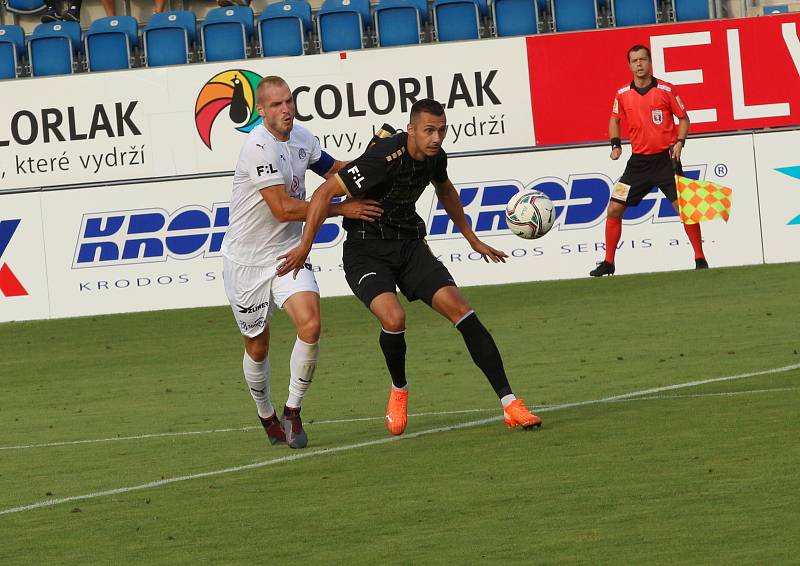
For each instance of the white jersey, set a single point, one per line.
(255, 237)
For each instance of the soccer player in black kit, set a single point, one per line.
(391, 253)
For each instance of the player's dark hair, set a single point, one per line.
(426, 105)
(639, 47)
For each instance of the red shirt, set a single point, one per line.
(649, 116)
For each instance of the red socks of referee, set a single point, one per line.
(693, 231)
(614, 233)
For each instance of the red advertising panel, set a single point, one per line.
(730, 74)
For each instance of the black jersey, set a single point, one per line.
(387, 174)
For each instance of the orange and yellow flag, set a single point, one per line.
(699, 201)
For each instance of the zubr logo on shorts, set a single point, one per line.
(793, 172)
(581, 202)
(10, 286)
(150, 235)
(233, 89)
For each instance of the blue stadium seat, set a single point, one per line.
(634, 12)
(12, 50)
(292, 8)
(226, 32)
(168, 38)
(515, 17)
(691, 10)
(573, 15)
(283, 28)
(53, 48)
(26, 6)
(110, 42)
(341, 24)
(360, 6)
(397, 22)
(422, 6)
(456, 19)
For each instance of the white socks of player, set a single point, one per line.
(257, 375)
(302, 365)
(507, 400)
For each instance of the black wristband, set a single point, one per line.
(683, 141)
(616, 142)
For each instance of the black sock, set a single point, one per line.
(394, 350)
(484, 353)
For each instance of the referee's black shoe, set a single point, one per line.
(700, 263)
(603, 268)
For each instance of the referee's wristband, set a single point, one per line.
(682, 141)
(616, 142)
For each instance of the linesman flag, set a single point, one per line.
(699, 201)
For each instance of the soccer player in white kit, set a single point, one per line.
(266, 213)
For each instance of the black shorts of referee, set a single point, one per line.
(645, 171)
(372, 267)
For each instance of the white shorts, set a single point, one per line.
(254, 292)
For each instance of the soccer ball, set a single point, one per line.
(530, 214)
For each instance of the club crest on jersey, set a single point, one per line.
(302, 153)
(658, 117)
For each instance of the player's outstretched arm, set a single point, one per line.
(448, 196)
(287, 209)
(317, 212)
(283, 207)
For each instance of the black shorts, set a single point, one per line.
(642, 173)
(372, 267)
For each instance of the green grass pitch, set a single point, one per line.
(706, 474)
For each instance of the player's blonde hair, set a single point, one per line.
(266, 82)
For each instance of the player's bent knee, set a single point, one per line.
(256, 349)
(309, 331)
(394, 320)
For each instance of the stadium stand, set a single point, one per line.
(574, 15)
(398, 22)
(110, 43)
(12, 51)
(225, 34)
(456, 20)
(283, 28)
(54, 48)
(169, 38)
(690, 10)
(25, 6)
(341, 24)
(635, 12)
(515, 17)
(297, 27)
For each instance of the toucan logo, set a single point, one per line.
(233, 89)
(9, 284)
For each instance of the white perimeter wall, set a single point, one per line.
(54, 251)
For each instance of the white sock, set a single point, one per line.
(257, 375)
(508, 399)
(302, 365)
(404, 388)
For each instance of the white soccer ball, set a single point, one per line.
(530, 214)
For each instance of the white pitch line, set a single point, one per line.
(364, 419)
(698, 395)
(377, 442)
(218, 430)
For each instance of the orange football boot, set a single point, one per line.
(397, 412)
(517, 414)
